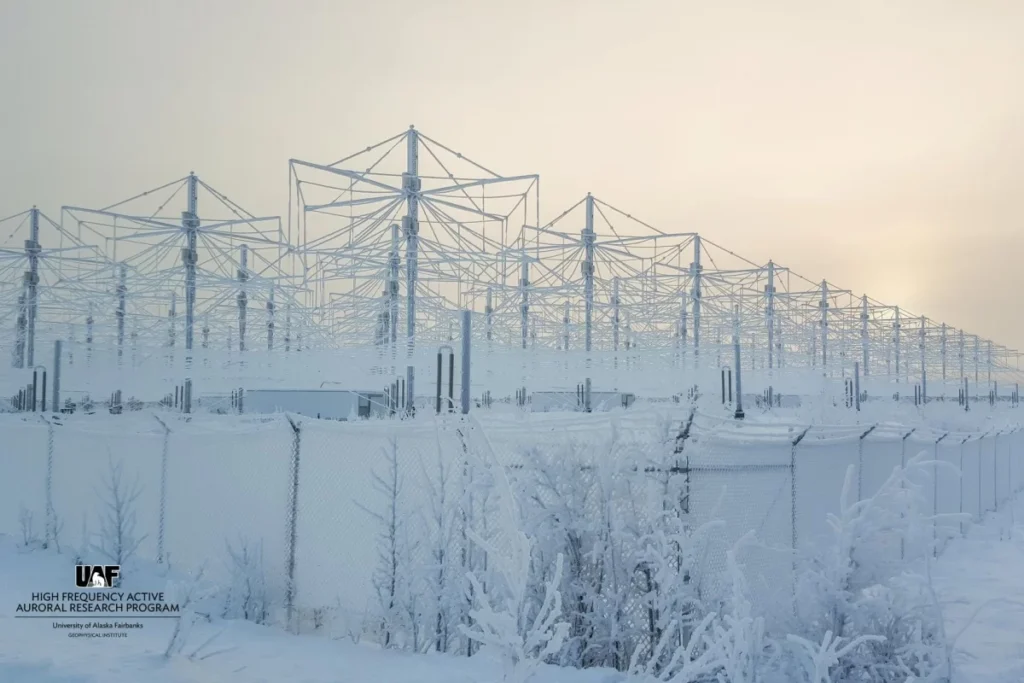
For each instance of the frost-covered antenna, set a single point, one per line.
(524, 294)
(44, 281)
(924, 365)
(182, 236)
(32, 250)
(824, 326)
(696, 275)
(122, 293)
(865, 338)
(189, 256)
(456, 217)
(243, 296)
(942, 351)
(172, 313)
(769, 290)
(896, 334)
(588, 272)
(270, 321)
(394, 262)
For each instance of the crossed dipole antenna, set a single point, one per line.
(409, 223)
(411, 215)
(214, 253)
(46, 275)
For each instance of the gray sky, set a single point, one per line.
(877, 144)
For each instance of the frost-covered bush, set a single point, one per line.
(247, 596)
(852, 591)
(588, 555)
(118, 538)
(399, 617)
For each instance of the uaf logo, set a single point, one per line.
(96, 576)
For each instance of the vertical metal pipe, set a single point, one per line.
(924, 368)
(439, 382)
(961, 354)
(122, 290)
(32, 250)
(856, 385)
(896, 342)
(411, 227)
(466, 347)
(524, 296)
(683, 296)
(695, 271)
(243, 296)
(56, 374)
(410, 405)
(88, 336)
(977, 362)
(489, 311)
(394, 262)
(190, 222)
(172, 313)
(588, 271)
(270, 321)
(864, 338)
(824, 326)
(451, 382)
(565, 327)
(770, 314)
(942, 349)
(739, 371)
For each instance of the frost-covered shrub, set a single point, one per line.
(849, 590)
(248, 595)
(587, 554)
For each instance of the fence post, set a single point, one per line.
(935, 499)
(903, 447)
(161, 556)
(1010, 466)
(981, 507)
(293, 513)
(964, 441)
(792, 507)
(860, 462)
(903, 464)
(51, 517)
(995, 472)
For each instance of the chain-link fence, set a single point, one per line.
(367, 528)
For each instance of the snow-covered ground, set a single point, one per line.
(33, 651)
(979, 580)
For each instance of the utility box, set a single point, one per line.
(327, 404)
